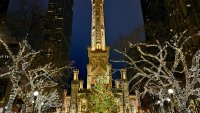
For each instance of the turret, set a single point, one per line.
(123, 74)
(74, 90)
(76, 73)
(81, 84)
(117, 84)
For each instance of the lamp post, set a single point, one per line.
(171, 91)
(159, 105)
(169, 100)
(35, 94)
(40, 107)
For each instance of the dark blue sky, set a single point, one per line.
(121, 18)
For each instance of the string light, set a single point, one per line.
(158, 72)
(37, 78)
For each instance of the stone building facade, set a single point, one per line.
(98, 54)
(78, 101)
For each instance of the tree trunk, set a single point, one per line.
(12, 97)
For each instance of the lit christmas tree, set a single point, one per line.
(102, 98)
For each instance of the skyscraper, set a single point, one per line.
(169, 17)
(164, 19)
(58, 31)
(3, 9)
(183, 15)
(156, 20)
(3, 13)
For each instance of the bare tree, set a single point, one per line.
(27, 78)
(155, 73)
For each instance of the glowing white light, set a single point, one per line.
(36, 93)
(188, 5)
(168, 99)
(170, 91)
(159, 102)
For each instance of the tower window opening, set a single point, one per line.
(98, 46)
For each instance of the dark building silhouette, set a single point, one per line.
(58, 31)
(164, 19)
(3, 14)
(3, 9)
(156, 20)
(183, 14)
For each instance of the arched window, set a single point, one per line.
(98, 46)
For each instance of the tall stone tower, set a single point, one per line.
(98, 53)
(98, 70)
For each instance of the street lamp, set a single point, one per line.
(42, 103)
(171, 91)
(168, 99)
(35, 94)
(160, 105)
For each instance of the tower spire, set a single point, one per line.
(98, 28)
(98, 53)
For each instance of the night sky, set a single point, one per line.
(121, 18)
